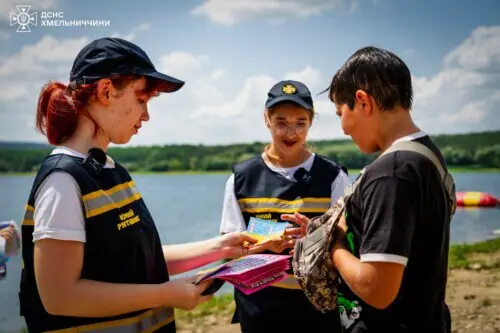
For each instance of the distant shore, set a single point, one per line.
(227, 172)
(351, 171)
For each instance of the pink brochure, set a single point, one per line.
(250, 273)
(263, 283)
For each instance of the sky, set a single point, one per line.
(230, 52)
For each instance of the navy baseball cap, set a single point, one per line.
(290, 91)
(109, 56)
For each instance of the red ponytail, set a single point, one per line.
(56, 116)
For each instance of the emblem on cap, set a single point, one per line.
(289, 89)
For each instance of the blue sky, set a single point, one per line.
(231, 51)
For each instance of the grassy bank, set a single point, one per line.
(206, 314)
(475, 256)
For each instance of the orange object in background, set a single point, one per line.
(480, 199)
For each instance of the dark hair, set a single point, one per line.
(60, 105)
(378, 72)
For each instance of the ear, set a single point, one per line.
(311, 118)
(104, 91)
(364, 102)
(266, 120)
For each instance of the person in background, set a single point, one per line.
(287, 177)
(393, 242)
(93, 258)
(9, 244)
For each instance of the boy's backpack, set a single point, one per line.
(312, 262)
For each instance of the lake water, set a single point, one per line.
(188, 208)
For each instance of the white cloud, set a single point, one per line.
(202, 113)
(310, 76)
(250, 97)
(472, 113)
(38, 57)
(214, 107)
(217, 74)
(205, 92)
(479, 52)
(10, 91)
(7, 6)
(241, 118)
(133, 34)
(461, 97)
(22, 74)
(253, 94)
(181, 63)
(230, 12)
(48, 59)
(195, 69)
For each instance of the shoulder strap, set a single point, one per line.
(446, 178)
(350, 188)
(421, 149)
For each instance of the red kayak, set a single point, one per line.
(478, 199)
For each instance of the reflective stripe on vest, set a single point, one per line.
(146, 322)
(275, 205)
(101, 201)
(289, 283)
(28, 216)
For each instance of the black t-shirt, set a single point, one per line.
(399, 214)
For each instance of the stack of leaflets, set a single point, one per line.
(264, 230)
(249, 274)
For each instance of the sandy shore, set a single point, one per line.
(473, 295)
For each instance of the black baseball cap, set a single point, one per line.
(110, 56)
(291, 91)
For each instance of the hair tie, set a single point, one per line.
(72, 86)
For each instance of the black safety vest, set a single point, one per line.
(265, 194)
(122, 246)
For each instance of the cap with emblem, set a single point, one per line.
(109, 56)
(290, 91)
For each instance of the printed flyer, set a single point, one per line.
(265, 231)
(250, 273)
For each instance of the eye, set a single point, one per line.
(142, 97)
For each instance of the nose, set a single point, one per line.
(145, 114)
(291, 132)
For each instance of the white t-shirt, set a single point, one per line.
(232, 218)
(59, 206)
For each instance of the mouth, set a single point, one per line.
(137, 127)
(289, 143)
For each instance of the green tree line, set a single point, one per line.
(480, 150)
